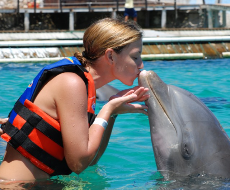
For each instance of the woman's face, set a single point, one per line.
(128, 63)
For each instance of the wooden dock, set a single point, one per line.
(157, 45)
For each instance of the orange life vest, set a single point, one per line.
(34, 133)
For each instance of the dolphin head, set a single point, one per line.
(186, 136)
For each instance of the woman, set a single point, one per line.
(52, 129)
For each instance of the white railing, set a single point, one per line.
(15, 4)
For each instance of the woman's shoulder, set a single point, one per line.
(68, 79)
(68, 84)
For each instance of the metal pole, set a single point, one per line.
(60, 5)
(34, 6)
(18, 6)
(175, 7)
(117, 4)
(146, 4)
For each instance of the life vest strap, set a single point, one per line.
(33, 120)
(28, 146)
(91, 118)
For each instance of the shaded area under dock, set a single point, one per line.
(151, 14)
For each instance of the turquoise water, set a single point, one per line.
(128, 162)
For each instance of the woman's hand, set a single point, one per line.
(121, 101)
(2, 121)
(141, 91)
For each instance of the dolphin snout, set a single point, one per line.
(143, 72)
(144, 77)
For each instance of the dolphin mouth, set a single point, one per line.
(147, 77)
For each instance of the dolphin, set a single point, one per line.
(105, 92)
(187, 138)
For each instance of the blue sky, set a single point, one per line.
(212, 1)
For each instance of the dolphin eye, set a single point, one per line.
(187, 147)
(186, 151)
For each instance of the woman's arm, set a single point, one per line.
(141, 96)
(104, 141)
(80, 142)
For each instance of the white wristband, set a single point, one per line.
(101, 122)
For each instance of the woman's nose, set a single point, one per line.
(141, 66)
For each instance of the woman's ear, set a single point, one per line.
(109, 53)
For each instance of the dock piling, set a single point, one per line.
(26, 21)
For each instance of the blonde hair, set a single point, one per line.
(107, 33)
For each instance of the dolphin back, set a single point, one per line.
(105, 92)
